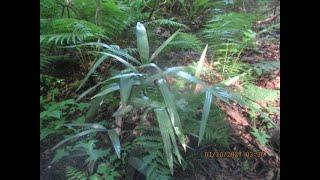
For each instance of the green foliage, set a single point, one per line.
(103, 172)
(216, 130)
(245, 166)
(261, 136)
(229, 31)
(191, 10)
(61, 32)
(172, 109)
(168, 137)
(50, 8)
(55, 115)
(48, 85)
(256, 93)
(133, 82)
(92, 128)
(74, 174)
(150, 158)
(266, 67)
(163, 45)
(231, 68)
(106, 14)
(142, 43)
(186, 41)
(68, 31)
(93, 156)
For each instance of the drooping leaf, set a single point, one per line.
(88, 125)
(122, 110)
(77, 136)
(94, 108)
(115, 51)
(165, 125)
(125, 89)
(147, 103)
(59, 155)
(130, 74)
(232, 80)
(119, 59)
(92, 70)
(115, 141)
(111, 88)
(205, 115)
(174, 116)
(55, 114)
(88, 91)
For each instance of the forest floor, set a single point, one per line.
(241, 140)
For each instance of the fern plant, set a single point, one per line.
(68, 31)
(148, 156)
(231, 29)
(74, 174)
(186, 41)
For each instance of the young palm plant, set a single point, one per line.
(138, 83)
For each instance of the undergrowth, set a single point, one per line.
(133, 116)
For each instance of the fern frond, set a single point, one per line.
(68, 31)
(75, 174)
(107, 14)
(186, 41)
(227, 28)
(151, 159)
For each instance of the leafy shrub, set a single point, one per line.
(138, 88)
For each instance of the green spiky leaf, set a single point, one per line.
(165, 125)
(205, 115)
(174, 116)
(200, 63)
(111, 88)
(115, 141)
(142, 42)
(157, 52)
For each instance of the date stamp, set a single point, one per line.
(234, 154)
